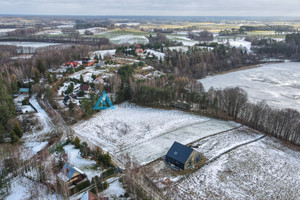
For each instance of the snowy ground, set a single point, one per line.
(265, 169)
(157, 147)
(145, 131)
(88, 72)
(277, 84)
(130, 39)
(24, 189)
(178, 48)
(50, 32)
(156, 53)
(245, 45)
(182, 38)
(115, 189)
(85, 165)
(103, 53)
(34, 141)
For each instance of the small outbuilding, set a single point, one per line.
(182, 156)
(24, 90)
(89, 196)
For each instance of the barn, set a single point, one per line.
(182, 156)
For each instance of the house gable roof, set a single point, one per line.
(69, 171)
(84, 87)
(179, 152)
(66, 99)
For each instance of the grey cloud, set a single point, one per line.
(153, 7)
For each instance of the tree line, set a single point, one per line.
(198, 63)
(286, 49)
(228, 104)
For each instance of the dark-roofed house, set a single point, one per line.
(71, 174)
(66, 99)
(182, 156)
(85, 87)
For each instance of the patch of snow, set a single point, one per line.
(115, 189)
(83, 164)
(156, 53)
(130, 39)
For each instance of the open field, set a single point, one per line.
(277, 84)
(119, 36)
(265, 169)
(145, 133)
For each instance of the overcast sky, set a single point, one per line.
(153, 7)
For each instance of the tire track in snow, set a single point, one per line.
(157, 136)
(233, 148)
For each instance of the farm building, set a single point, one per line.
(71, 174)
(182, 156)
(24, 90)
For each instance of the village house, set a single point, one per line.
(182, 156)
(71, 175)
(72, 64)
(85, 87)
(139, 51)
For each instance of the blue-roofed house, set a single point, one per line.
(182, 156)
(71, 174)
(24, 90)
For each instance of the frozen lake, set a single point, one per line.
(29, 44)
(278, 84)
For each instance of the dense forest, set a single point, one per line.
(286, 49)
(198, 63)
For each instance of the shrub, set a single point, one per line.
(77, 142)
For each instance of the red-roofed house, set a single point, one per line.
(139, 51)
(72, 64)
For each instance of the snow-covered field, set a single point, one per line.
(157, 147)
(265, 169)
(145, 131)
(5, 30)
(185, 40)
(50, 32)
(277, 84)
(130, 39)
(245, 45)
